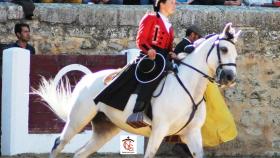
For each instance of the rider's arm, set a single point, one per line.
(144, 31)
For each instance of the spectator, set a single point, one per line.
(216, 2)
(116, 1)
(101, 1)
(47, 1)
(27, 6)
(61, 1)
(257, 2)
(127, 2)
(146, 2)
(87, 1)
(110, 1)
(131, 2)
(72, 1)
(22, 32)
(182, 1)
(192, 34)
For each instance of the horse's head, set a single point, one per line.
(221, 58)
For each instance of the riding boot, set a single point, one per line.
(145, 91)
(139, 119)
(139, 106)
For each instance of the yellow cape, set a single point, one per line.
(219, 125)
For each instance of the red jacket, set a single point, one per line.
(152, 31)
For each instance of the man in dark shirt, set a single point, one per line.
(192, 34)
(217, 2)
(22, 32)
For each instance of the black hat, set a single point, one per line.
(195, 29)
(148, 70)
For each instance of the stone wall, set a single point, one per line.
(107, 29)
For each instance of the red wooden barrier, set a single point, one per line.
(42, 119)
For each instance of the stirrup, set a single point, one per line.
(138, 120)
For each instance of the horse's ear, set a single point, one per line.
(236, 35)
(228, 32)
(227, 27)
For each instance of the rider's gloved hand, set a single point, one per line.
(152, 54)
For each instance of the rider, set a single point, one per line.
(155, 35)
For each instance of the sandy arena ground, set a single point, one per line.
(111, 156)
(70, 156)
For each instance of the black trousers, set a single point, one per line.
(145, 91)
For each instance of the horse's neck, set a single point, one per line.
(193, 80)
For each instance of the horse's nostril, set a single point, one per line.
(229, 77)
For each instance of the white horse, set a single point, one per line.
(215, 57)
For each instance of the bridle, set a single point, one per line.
(211, 79)
(220, 64)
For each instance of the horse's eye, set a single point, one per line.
(224, 50)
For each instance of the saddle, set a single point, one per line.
(107, 79)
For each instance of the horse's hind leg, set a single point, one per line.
(103, 131)
(61, 141)
(194, 141)
(80, 115)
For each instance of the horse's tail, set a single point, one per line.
(57, 96)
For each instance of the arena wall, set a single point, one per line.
(108, 29)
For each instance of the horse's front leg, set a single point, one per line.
(193, 139)
(156, 137)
